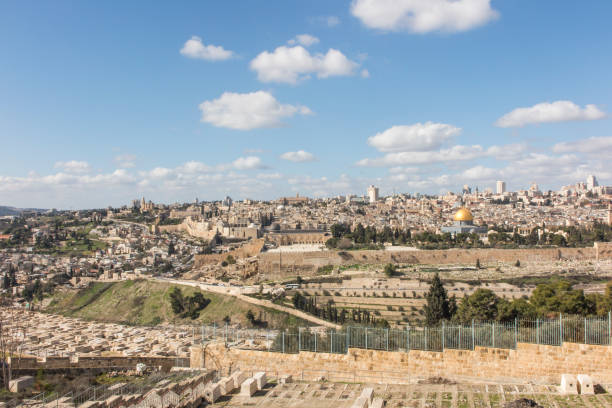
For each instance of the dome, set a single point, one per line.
(463, 214)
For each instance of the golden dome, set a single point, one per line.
(463, 214)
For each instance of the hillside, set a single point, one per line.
(143, 302)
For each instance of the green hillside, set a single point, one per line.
(143, 302)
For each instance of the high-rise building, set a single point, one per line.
(501, 187)
(373, 194)
(591, 182)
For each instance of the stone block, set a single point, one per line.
(227, 385)
(585, 384)
(377, 403)
(569, 384)
(248, 388)
(260, 379)
(239, 377)
(21, 384)
(361, 402)
(212, 393)
(285, 379)
(368, 393)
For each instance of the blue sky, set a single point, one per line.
(98, 104)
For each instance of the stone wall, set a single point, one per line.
(308, 262)
(95, 362)
(529, 362)
(248, 250)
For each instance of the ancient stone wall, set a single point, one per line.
(529, 362)
(308, 262)
(248, 250)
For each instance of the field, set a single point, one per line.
(142, 302)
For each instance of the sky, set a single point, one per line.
(104, 102)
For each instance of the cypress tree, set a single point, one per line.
(437, 307)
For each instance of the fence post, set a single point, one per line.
(315, 342)
(473, 337)
(331, 342)
(426, 331)
(515, 333)
(442, 336)
(226, 332)
(366, 338)
(283, 341)
(387, 331)
(348, 338)
(560, 329)
(585, 329)
(268, 339)
(537, 331)
(299, 339)
(408, 339)
(609, 328)
(493, 328)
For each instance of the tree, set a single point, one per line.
(171, 249)
(517, 263)
(559, 297)
(480, 305)
(250, 316)
(477, 263)
(437, 308)
(176, 300)
(390, 270)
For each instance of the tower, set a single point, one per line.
(591, 182)
(373, 194)
(500, 187)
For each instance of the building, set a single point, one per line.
(591, 182)
(373, 194)
(501, 187)
(463, 223)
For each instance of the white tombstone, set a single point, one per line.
(260, 379)
(361, 402)
(285, 379)
(212, 393)
(585, 384)
(21, 383)
(377, 403)
(227, 385)
(239, 377)
(569, 384)
(248, 388)
(368, 393)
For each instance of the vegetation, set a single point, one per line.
(187, 306)
(142, 302)
(331, 313)
(438, 307)
(547, 300)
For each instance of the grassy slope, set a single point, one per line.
(144, 302)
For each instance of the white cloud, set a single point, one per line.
(480, 173)
(194, 48)
(73, 166)
(455, 153)
(293, 64)
(423, 16)
(547, 112)
(413, 138)
(365, 73)
(248, 163)
(332, 21)
(248, 111)
(593, 146)
(304, 39)
(298, 157)
(125, 161)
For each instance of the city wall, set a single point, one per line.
(529, 362)
(308, 262)
(248, 250)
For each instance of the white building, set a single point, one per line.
(591, 182)
(501, 187)
(373, 194)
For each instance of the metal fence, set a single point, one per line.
(506, 335)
